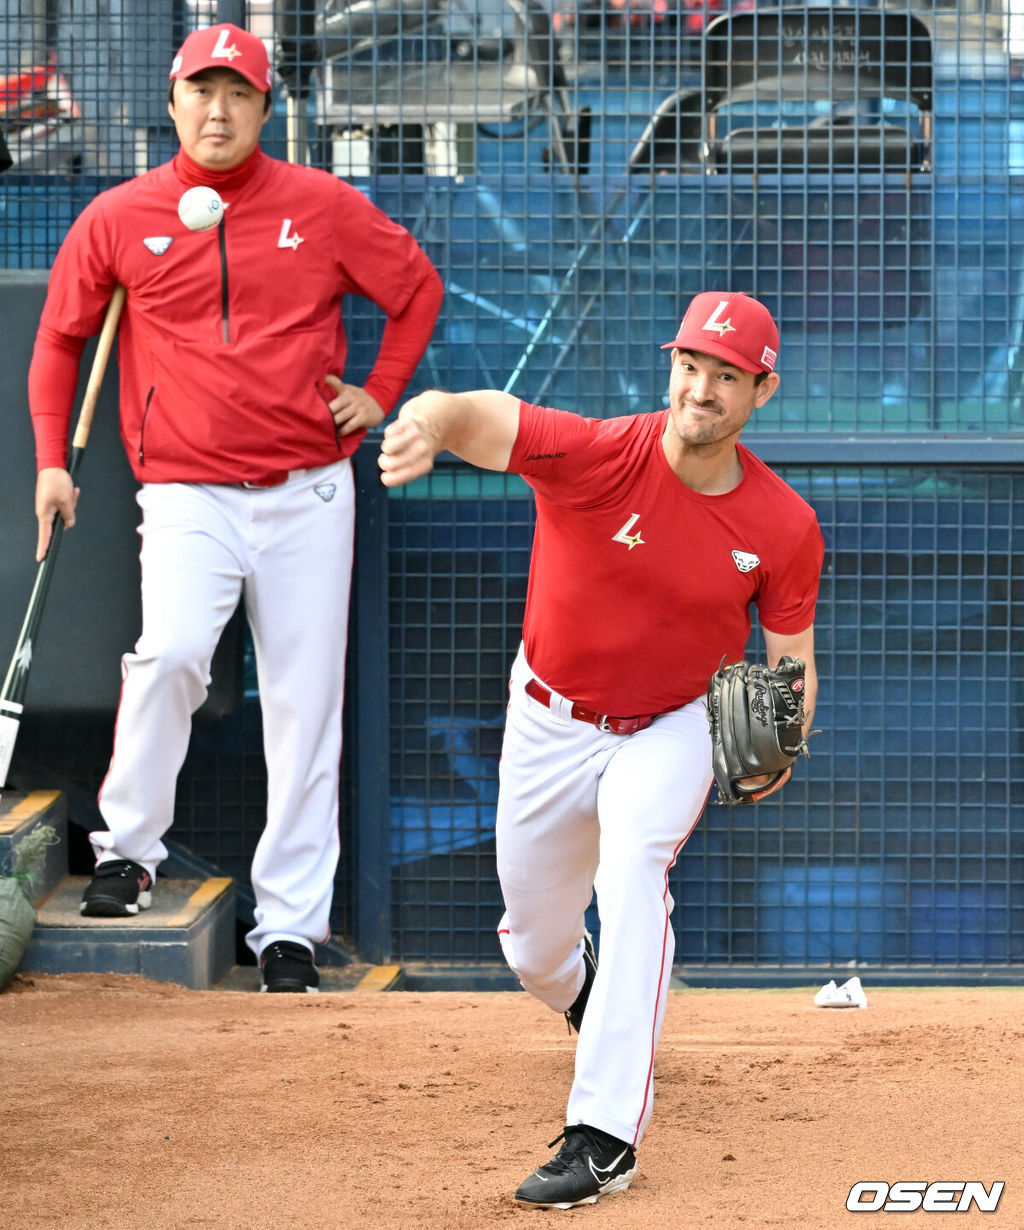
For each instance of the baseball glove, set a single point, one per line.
(756, 716)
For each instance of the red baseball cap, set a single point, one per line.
(732, 327)
(224, 46)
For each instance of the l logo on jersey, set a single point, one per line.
(631, 540)
(284, 240)
(744, 561)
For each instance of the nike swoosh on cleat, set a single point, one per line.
(596, 1171)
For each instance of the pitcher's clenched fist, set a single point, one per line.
(480, 427)
(406, 452)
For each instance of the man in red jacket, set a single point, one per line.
(240, 429)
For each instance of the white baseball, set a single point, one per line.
(201, 209)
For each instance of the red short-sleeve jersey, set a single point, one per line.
(639, 586)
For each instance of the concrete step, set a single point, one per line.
(356, 976)
(20, 813)
(186, 937)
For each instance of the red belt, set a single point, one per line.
(610, 725)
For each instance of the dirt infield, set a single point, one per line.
(130, 1104)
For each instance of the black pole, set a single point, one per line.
(232, 11)
(298, 47)
(370, 730)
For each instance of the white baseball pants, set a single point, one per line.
(288, 551)
(580, 810)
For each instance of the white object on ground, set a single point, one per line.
(849, 995)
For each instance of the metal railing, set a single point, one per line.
(556, 162)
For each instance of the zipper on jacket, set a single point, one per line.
(142, 427)
(225, 320)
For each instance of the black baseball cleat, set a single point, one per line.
(117, 889)
(288, 967)
(574, 1015)
(589, 1164)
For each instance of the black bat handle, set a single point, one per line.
(17, 674)
(16, 683)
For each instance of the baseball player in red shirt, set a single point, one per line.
(654, 535)
(239, 427)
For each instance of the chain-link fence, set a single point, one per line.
(576, 172)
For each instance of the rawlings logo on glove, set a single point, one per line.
(756, 716)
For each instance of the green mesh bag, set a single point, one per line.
(17, 909)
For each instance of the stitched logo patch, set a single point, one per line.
(624, 536)
(286, 239)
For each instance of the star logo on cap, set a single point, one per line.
(714, 325)
(223, 49)
(721, 327)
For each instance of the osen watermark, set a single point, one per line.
(908, 1196)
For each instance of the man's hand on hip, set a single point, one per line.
(352, 408)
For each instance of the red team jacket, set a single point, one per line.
(227, 334)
